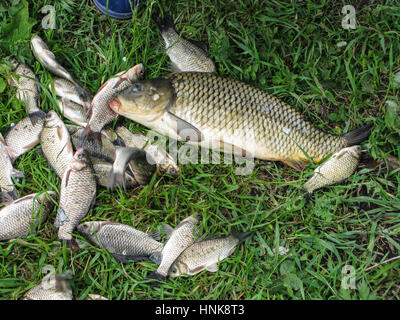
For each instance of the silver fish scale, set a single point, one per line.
(24, 136)
(181, 238)
(75, 199)
(56, 290)
(6, 183)
(17, 218)
(126, 240)
(205, 253)
(239, 113)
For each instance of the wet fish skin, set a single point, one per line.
(337, 168)
(102, 171)
(7, 172)
(222, 113)
(163, 160)
(47, 58)
(27, 84)
(107, 151)
(24, 135)
(138, 164)
(68, 91)
(73, 111)
(184, 54)
(77, 196)
(58, 288)
(56, 143)
(19, 216)
(124, 242)
(181, 237)
(205, 255)
(100, 113)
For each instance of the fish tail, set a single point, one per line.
(115, 178)
(37, 116)
(8, 197)
(357, 136)
(90, 138)
(70, 243)
(164, 23)
(241, 236)
(156, 276)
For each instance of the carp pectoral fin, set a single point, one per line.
(197, 269)
(156, 257)
(185, 130)
(212, 268)
(155, 235)
(297, 165)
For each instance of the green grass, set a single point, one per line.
(286, 48)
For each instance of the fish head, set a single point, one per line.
(172, 170)
(177, 268)
(52, 119)
(144, 99)
(80, 160)
(89, 229)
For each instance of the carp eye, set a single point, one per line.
(173, 270)
(136, 87)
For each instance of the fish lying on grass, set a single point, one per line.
(24, 135)
(67, 90)
(222, 113)
(205, 254)
(100, 113)
(56, 143)
(139, 165)
(7, 172)
(102, 171)
(73, 111)
(337, 168)
(28, 88)
(179, 238)
(107, 151)
(48, 60)
(185, 55)
(124, 242)
(157, 152)
(77, 196)
(56, 287)
(20, 217)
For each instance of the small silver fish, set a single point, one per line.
(100, 112)
(23, 215)
(7, 172)
(68, 91)
(55, 287)
(73, 111)
(157, 152)
(48, 60)
(24, 135)
(124, 242)
(56, 143)
(77, 196)
(28, 88)
(337, 168)
(102, 171)
(185, 55)
(205, 255)
(180, 238)
(138, 163)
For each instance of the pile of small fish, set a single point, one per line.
(191, 104)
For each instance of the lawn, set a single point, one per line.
(287, 48)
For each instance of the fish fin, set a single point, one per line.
(70, 243)
(185, 130)
(16, 173)
(156, 235)
(40, 152)
(156, 276)
(90, 138)
(200, 44)
(357, 136)
(212, 268)
(199, 269)
(297, 165)
(167, 230)
(164, 23)
(175, 68)
(156, 257)
(123, 258)
(241, 236)
(37, 116)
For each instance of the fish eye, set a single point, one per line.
(136, 87)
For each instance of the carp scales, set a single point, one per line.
(226, 114)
